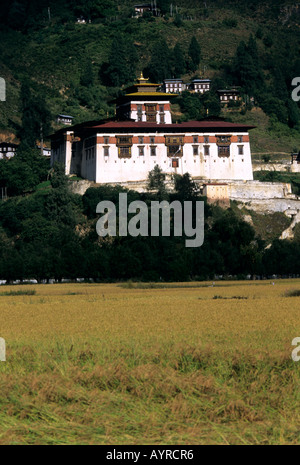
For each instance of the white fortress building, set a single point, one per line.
(142, 135)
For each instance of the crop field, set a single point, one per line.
(134, 363)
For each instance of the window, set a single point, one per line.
(152, 140)
(106, 140)
(161, 108)
(106, 151)
(175, 163)
(153, 150)
(151, 117)
(124, 140)
(162, 118)
(141, 139)
(124, 152)
(139, 109)
(206, 149)
(241, 149)
(178, 140)
(195, 139)
(240, 139)
(195, 149)
(124, 144)
(174, 145)
(224, 150)
(206, 139)
(150, 112)
(223, 140)
(174, 150)
(141, 150)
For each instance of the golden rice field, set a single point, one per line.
(183, 364)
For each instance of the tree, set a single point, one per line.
(246, 71)
(24, 171)
(179, 61)
(178, 21)
(293, 113)
(122, 63)
(36, 118)
(156, 181)
(185, 188)
(160, 66)
(194, 53)
(164, 6)
(87, 76)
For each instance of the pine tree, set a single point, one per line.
(179, 61)
(194, 54)
(122, 62)
(35, 117)
(160, 66)
(246, 70)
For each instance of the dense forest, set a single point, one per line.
(54, 64)
(51, 234)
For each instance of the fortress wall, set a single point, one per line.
(257, 190)
(272, 206)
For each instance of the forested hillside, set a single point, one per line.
(53, 64)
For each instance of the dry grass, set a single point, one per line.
(100, 364)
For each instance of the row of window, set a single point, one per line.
(125, 151)
(151, 118)
(150, 108)
(128, 139)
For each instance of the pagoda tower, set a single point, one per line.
(143, 102)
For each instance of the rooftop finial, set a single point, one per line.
(141, 78)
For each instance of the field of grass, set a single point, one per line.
(193, 364)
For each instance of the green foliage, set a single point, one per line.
(24, 171)
(164, 6)
(230, 22)
(156, 181)
(122, 63)
(178, 21)
(198, 106)
(36, 118)
(161, 62)
(185, 188)
(246, 70)
(62, 226)
(179, 61)
(194, 53)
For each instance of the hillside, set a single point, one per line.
(72, 68)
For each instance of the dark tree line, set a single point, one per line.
(52, 234)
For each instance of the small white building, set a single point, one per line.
(227, 95)
(7, 149)
(295, 162)
(200, 85)
(174, 86)
(64, 119)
